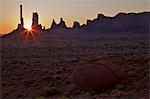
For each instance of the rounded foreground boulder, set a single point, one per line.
(97, 76)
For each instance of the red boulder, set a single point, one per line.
(96, 77)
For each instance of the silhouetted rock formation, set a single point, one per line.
(122, 22)
(36, 27)
(76, 25)
(35, 22)
(44, 28)
(21, 16)
(61, 25)
(54, 25)
(88, 22)
(21, 25)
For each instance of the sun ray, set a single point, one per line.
(27, 36)
(32, 34)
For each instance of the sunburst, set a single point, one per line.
(28, 27)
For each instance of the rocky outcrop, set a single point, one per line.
(54, 25)
(61, 25)
(35, 22)
(122, 22)
(76, 25)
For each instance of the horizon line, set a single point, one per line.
(108, 16)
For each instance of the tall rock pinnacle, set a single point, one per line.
(21, 16)
(21, 24)
(35, 22)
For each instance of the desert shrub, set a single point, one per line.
(52, 91)
(119, 86)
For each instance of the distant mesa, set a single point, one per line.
(122, 22)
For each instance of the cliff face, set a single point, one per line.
(122, 22)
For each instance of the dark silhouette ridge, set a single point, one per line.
(122, 22)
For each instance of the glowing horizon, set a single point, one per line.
(69, 10)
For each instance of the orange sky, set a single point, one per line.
(70, 10)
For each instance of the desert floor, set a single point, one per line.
(42, 68)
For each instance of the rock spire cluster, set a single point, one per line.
(61, 24)
(35, 21)
(122, 22)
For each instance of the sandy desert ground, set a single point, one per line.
(42, 68)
